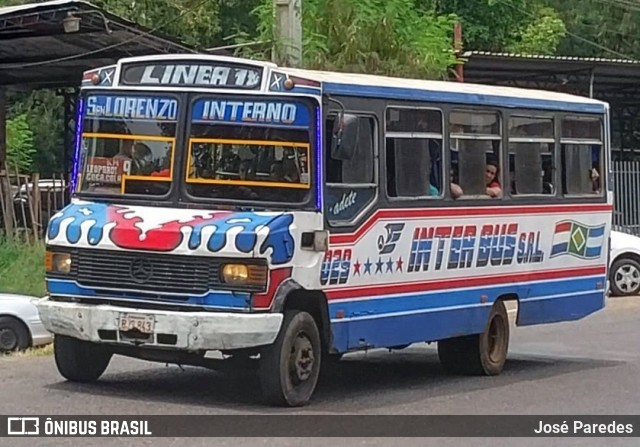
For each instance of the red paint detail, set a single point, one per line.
(356, 267)
(303, 81)
(399, 263)
(454, 283)
(168, 236)
(276, 277)
(562, 227)
(418, 213)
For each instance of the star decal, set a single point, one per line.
(399, 263)
(390, 265)
(379, 265)
(367, 267)
(356, 267)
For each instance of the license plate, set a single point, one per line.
(136, 322)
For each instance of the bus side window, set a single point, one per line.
(582, 157)
(351, 184)
(475, 153)
(414, 152)
(531, 143)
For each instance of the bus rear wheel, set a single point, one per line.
(79, 360)
(479, 354)
(289, 368)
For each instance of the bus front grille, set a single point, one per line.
(150, 272)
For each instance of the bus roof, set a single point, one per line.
(445, 91)
(375, 86)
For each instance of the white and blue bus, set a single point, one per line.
(287, 217)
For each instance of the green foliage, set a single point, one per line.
(22, 268)
(45, 116)
(541, 36)
(195, 22)
(600, 28)
(20, 148)
(390, 37)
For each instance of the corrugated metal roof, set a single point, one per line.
(37, 50)
(603, 60)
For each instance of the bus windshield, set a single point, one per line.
(128, 144)
(249, 150)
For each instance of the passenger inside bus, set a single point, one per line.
(456, 190)
(276, 172)
(491, 178)
(595, 177)
(126, 150)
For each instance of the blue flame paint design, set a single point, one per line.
(279, 238)
(94, 212)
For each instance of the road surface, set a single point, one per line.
(586, 367)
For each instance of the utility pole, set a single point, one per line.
(288, 22)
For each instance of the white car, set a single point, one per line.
(20, 324)
(624, 270)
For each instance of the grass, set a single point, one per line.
(40, 351)
(22, 267)
(22, 271)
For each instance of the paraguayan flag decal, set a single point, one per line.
(576, 239)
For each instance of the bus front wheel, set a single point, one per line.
(289, 368)
(479, 354)
(79, 360)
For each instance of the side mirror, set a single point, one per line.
(345, 137)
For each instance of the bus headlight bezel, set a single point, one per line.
(58, 262)
(239, 274)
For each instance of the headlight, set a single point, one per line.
(244, 275)
(57, 262)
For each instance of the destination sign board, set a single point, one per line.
(284, 113)
(193, 74)
(132, 107)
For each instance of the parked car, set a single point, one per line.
(53, 197)
(624, 271)
(20, 324)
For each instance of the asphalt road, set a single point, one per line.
(586, 367)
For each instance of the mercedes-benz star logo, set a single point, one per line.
(140, 270)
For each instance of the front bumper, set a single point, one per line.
(189, 331)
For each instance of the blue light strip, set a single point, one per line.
(319, 164)
(78, 144)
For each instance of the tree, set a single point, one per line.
(390, 37)
(45, 116)
(541, 36)
(195, 22)
(600, 28)
(523, 26)
(20, 148)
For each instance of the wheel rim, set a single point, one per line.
(301, 359)
(8, 340)
(627, 278)
(496, 339)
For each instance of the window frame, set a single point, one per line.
(502, 114)
(375, 184)
(561, 141)
(444, 193)
(174, 181)
(555, 156)
(309, 204)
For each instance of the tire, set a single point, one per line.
(14, 335)
(625, 277)
(79, 360)
(289, 368)
(479, 354)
